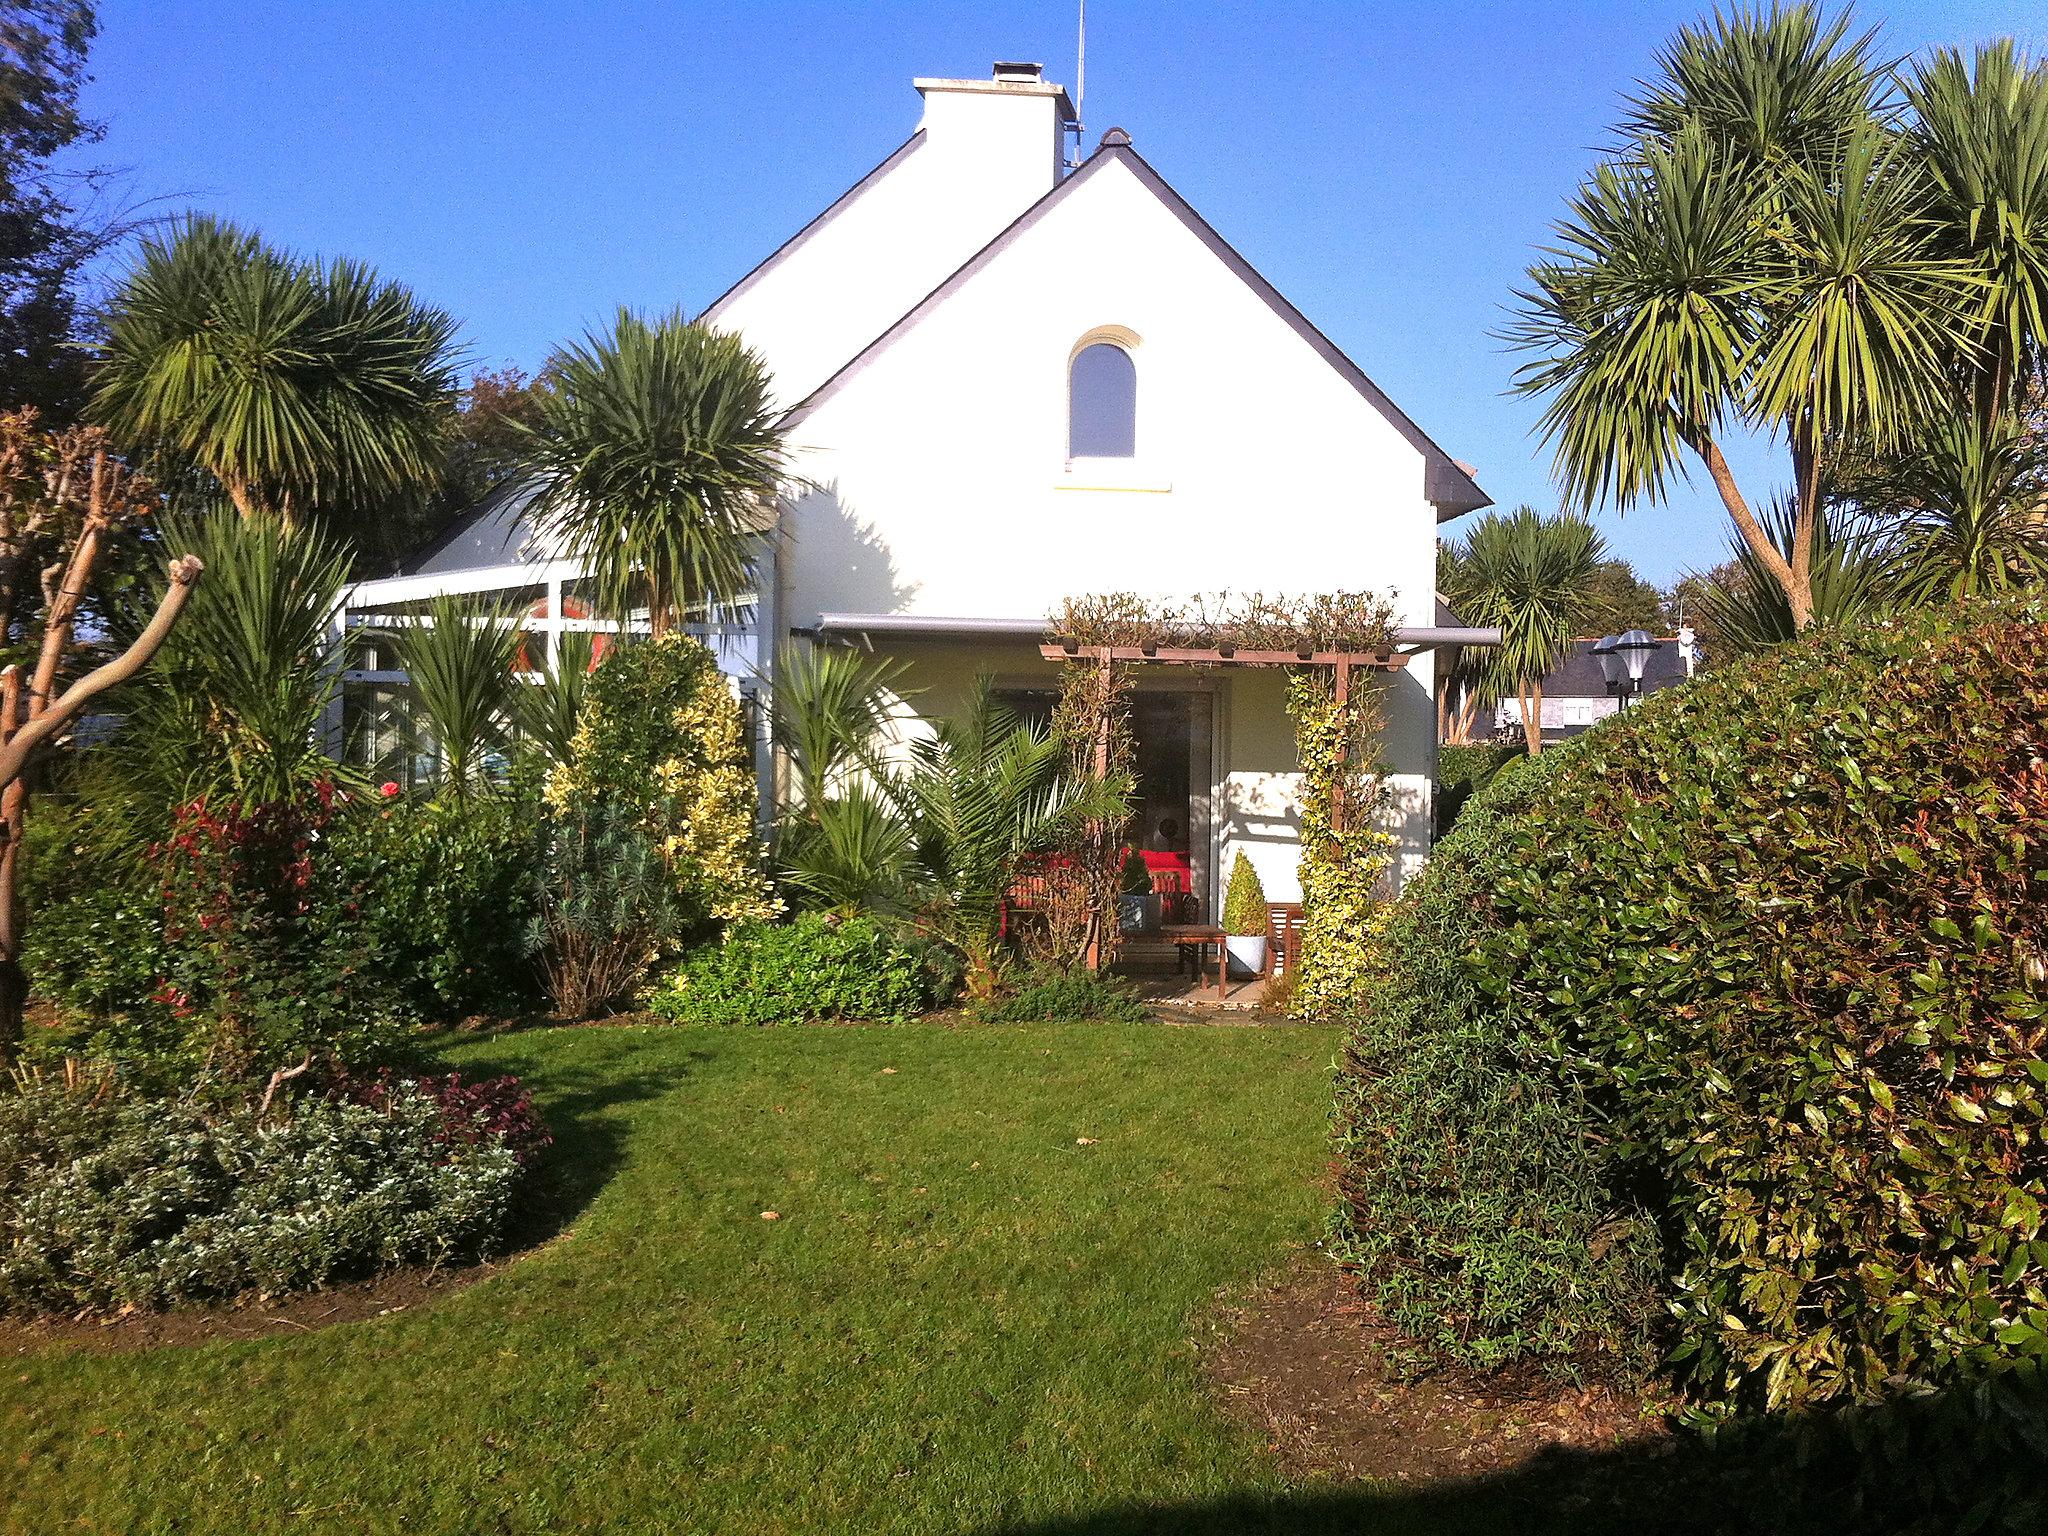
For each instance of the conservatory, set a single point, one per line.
(512, 572)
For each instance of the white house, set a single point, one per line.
(1010, 382)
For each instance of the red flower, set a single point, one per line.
(387, 789)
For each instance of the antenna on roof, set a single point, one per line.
(1080, 80)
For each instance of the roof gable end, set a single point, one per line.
(1446, 482)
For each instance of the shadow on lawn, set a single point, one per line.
(582, 1105)
(1974, 1460)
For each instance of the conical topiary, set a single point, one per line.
(1244, 904)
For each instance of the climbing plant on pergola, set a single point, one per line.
(1334, 645)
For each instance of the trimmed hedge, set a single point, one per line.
(1781, 934)
(816, 967)
(1461, 772)
(1474, 1200)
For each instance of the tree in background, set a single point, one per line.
(1758, 257)
(483, 452)
(51, 226)
(309, 391)
(1532, 578)
(658, 456)
(1617, 599)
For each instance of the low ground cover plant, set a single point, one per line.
(1768, 950)
(1054, 996)
(816, 967)
(108, 1200)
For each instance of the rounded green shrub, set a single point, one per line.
(1474, 1200)
(1786, 926)
(816, 967)
(1776, 941)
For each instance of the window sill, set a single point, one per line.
(1112, 475)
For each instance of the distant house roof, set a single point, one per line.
(1580, 677)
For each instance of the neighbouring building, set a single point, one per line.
(1011, 381)
(1576, 695)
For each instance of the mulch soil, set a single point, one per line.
(1308, 1364)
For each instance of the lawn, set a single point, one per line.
(979, 1308)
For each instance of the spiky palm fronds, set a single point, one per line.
(303, 388)
(658, 455)
(233, 709)
(853, 850)
(1970, 509)
(832, 708)
(1855, 567)
(981, 792)
(550, 709)
(1981, 129)
(459, 664)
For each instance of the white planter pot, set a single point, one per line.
(1247, 956)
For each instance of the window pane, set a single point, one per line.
(1102, 404)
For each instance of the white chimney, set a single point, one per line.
(995, 145)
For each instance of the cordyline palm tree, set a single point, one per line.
(460, 665)
(233, 709)
(1981, 130)
(658, 454)
(1531, 577)
(1463, 679)
(1761, 257)
(304, 388)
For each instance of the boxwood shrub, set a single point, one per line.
(815, 968)
(111, 1202)
(1777, 938)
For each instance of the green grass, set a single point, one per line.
(965, 1319)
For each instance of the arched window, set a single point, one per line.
(1102, 403)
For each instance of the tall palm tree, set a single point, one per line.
(1531, 577)
(658, 454)
(304, 388)
(1759, 256)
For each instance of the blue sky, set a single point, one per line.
(531, 166)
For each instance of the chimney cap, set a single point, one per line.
(1011, 70)
(1116, 138)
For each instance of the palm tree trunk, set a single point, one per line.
(1797, 592)
(1532, 714)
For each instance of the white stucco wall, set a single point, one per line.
(984, 152)
(941, 484)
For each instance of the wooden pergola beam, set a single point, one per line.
(1161, 655)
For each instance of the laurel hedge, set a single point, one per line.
(1777, 939)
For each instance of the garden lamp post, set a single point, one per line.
(1622, 659)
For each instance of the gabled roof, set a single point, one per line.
(788, 247)
(1446, 483)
